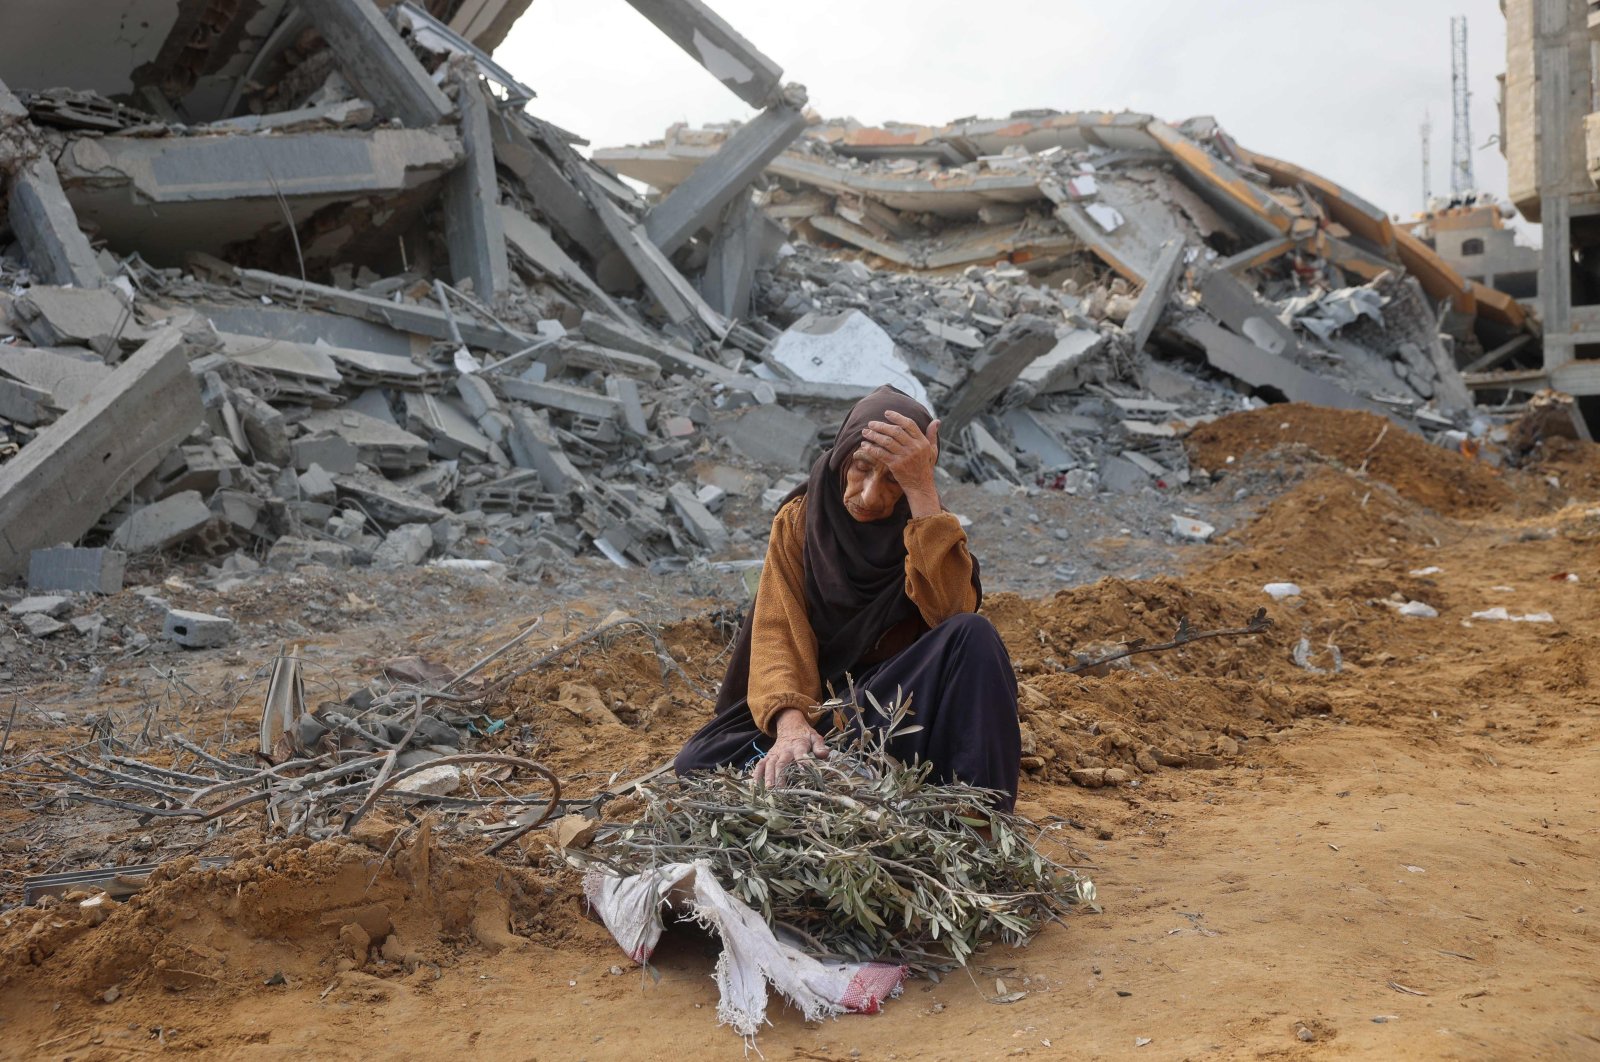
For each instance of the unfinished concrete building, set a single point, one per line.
(1550, 118)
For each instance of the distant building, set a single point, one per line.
(1550, 135)
(1474, 239)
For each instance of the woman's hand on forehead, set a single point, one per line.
(907, 453)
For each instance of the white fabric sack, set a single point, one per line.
(751, 954)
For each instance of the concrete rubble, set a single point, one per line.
(332, 294)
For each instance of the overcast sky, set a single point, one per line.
(1340, 89)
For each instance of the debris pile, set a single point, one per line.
(332, 294)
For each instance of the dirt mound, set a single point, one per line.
(615, 706)
(1329, 523)
(300, 912)
(1441, 480)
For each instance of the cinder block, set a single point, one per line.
(197, 630)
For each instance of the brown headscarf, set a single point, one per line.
(854, 571)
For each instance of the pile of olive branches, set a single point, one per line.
(858, 856)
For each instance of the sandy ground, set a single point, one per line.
(1398, 860)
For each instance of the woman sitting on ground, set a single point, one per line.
(868, 586)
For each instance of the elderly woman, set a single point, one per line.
(868, 586)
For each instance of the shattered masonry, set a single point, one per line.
(314, 281)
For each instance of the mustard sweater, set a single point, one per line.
(783, 647)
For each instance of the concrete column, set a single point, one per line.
(696, 202)
(1554, 107)
(474, 232)
(372, 54)
(42, 217)
(715, 45)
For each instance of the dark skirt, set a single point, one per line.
(963, 695)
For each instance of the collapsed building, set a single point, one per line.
(312, 283)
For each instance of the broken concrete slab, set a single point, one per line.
(1032, 436)
(21, 404)
(377, 443)
(679, 300)
(735, 254)
(52, 605)
(78, 570)
(1156, 294)
(561, 397)
(1236, 306)
(770, 435)
(848, 348)
(41, 216)
(292, 552)
(1121, 476)
(41, 626)
(98, 318)
(110, 440)
(332, 452)
(215, 191)
(451, 434)
(197, 630)
(388, 503)
(1022, 341)
(534, 445)
(367, 368)
(46, 227)
(1067, 365)
(705, 528)
(306, 369)
(63, 377)
(378, 62)
(560, 203)
(612, 334)
(265, 428)
(626, 391)
(163, 523)
(405, 547)
(1257, 367)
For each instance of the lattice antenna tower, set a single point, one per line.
(1427, 177)
(1461, 180)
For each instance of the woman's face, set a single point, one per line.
(870, 490)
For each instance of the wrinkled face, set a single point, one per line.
(870, 490)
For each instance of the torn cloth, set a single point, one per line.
(751, 955)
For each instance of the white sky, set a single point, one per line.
(1340, 89)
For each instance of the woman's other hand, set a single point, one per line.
(796, 739)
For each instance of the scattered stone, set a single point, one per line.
(433, 781)
(1192, 530)
(43, 605)
(42, 626)
(290, 552)
(404, 547)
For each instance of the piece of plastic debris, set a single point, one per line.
(1499, 614)
(1279, 591)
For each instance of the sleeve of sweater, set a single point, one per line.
(939, 568)
(783, 648)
